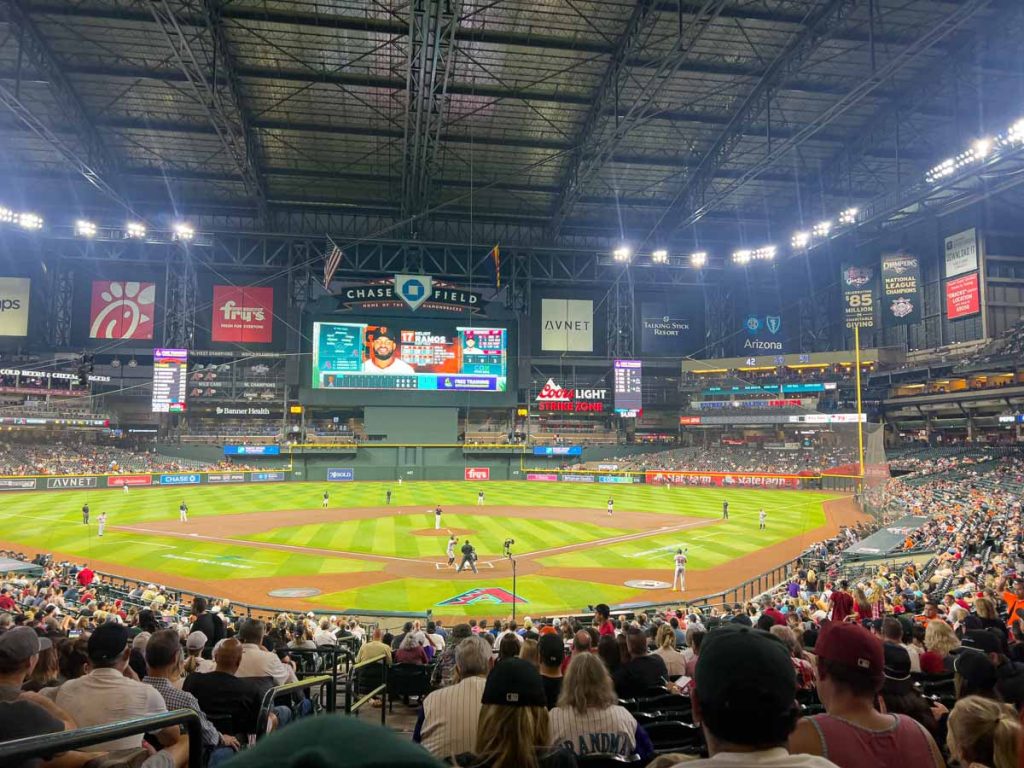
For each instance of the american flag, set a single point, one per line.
(331, 264)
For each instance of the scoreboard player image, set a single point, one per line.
(364, 356)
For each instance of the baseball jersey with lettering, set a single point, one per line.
(596, 731)
(680, 561)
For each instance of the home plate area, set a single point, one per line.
(479, 565)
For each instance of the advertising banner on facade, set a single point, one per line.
(17, 484)
(218, 478)
(252, 450)
(722, 480)
(860, 296)
(267, 477)
(578, 478)
(901, 289)
(341, 475)
(555, 397)
(567, 325)
(122, 310)
(963, 297)
(961, 253)
(761, 334)
(558, 450)
(242, 314)
(542, 477)
(668, 329)
(119, 481)
(14, 297)
(478, 473)
(619, 479)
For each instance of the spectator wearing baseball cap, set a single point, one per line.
(852, 733)
(975, 675)
(514, 730)
(552, 654)
(105, 695)
(745, 701)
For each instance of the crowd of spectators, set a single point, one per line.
(20, 458)
(735, 458)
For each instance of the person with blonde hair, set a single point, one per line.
(805, 673)
(514, 730)
(983, 734)
(939, 640)
(665, 641)
(529, 651)
(588, 718)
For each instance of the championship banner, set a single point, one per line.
(722, 480)
(859, 294)
(122, 310)
(961, 253)
(567, 325)
(14, 297)
(901, 289)
(963, 298)
(242, 314)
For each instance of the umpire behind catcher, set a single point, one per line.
(468, 556)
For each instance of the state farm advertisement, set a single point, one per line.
(118, 481)
(242, 314)
(554, 397)
(962, 296)
(478, 473)
(722, 480)
(122, 309)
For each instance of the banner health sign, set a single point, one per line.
(859, 294)
(252, 450)
(666, 330)
(340, 475)
(901, 289)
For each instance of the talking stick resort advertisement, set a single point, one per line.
(457, 359)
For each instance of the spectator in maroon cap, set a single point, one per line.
(852, 733)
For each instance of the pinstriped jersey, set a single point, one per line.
(596, 731)
(450, 716)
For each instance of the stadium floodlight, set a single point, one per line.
(135, 230)
(849, 216)
(7, 216)
(821, 229)
(183, 231)
(767, 253)
(742, 256)
(30, 221)
(85, 228)
(801, 239)
(941, 171)
(1016, 132)
(660, 256)
(622, 254)
(982, 148)
(698, 259)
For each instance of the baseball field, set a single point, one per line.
(245, 541)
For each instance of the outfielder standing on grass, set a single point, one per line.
(326, 500)
(387, 497)
(452, 541)
(680, 574)
(611, 505)
(480, 498)
(183, 512)
(725, 510)
(101, 522)
(761, 517)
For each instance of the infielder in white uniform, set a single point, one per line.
(611, 506)
(680, 574)
(480, 499)
(183, 513)
(102, 522)
(761, 517)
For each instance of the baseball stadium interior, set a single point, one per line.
(511, 383)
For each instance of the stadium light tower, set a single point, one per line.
(659, 256)
(85, 228)
(698, 259)
(135, 230)
(183, 232)
(801, 239)
(622, 254)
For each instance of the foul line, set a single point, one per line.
(271, 545)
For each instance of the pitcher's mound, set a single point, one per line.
(446, 532)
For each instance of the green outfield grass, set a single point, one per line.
(52, 522)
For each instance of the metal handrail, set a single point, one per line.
(14, 752)
(381, 689)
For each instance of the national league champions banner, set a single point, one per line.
(901, 289)
(859, 296)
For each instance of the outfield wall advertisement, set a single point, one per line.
(76, 482)
(723, 480)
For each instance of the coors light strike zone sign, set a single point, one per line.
(554, 398)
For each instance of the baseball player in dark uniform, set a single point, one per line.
(468, 556)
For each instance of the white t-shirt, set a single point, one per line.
(398, 367)
(596, 731)
(768, 758)
(107, 696)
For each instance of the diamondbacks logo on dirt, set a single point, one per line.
(491, 595)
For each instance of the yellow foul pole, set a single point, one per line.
(860, 425)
